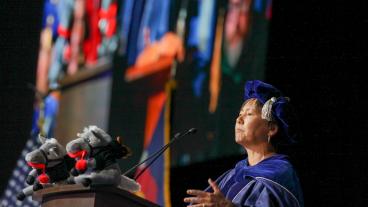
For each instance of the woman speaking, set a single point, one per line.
(264, 178)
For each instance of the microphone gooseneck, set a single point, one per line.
(157, 154)
(192, 131)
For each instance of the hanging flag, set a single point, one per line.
(48, 34)
(50, 16)
(201, 36)
(155, 179)
(125, 20)
(201, 31)
(150, 45)
(215, 72)
(92, 37)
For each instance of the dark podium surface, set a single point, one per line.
(79, 196)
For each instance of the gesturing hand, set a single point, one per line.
(206, 199)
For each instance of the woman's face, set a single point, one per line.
(250, 128)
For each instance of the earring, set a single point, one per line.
(268, 139)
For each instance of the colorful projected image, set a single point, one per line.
(207, 50)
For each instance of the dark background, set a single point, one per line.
(317, 55)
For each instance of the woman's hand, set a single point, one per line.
(206, 199)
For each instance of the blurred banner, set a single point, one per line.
(153, 178)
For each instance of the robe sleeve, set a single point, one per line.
(265, 193)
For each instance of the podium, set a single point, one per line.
(79, 196)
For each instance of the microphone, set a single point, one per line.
(157, 154)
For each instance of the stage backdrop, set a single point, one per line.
(146, 70)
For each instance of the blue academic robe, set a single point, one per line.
(272, 182)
